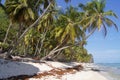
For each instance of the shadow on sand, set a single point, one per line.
(13, 70)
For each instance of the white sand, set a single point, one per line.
(83, 75)
(12, 68)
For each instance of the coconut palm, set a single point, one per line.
(96, 17)
(68, 26)
(20, 12)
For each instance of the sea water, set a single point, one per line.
(113, 69)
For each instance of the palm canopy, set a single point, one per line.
(68, 26)
(95, 16)
(19, 11)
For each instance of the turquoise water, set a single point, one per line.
(114, 65)
(112, 68)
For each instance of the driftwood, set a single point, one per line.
(3, 55)
(77, 67)
(93, 69)
(18, 58)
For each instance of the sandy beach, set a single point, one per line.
(83, 75)
(13, 68)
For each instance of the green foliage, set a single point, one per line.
(4, 23)
(95, 16)
(55, 30)
(78, 54)
(68, 27)
(3, 45)
(19, 11)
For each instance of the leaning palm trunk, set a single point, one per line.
(6, 35)
(58, 48)
(42, 41)
(36, 22)
(22, 35)
(91, 32)
(52, 52)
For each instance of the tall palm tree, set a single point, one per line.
(20, 12)
(68, 26)
(96, 17)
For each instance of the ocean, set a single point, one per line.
(113, 70)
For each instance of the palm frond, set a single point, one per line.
(110, 13)
(112, 23)
(105, 29)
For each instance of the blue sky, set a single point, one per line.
(104, 49)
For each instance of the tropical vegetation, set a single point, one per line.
(41, 29)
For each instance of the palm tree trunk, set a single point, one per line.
(91, 32)
(6, 35)
(40, 17)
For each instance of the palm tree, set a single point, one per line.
(20, 12)
(24, 12)
(95, 17)
(68, 26)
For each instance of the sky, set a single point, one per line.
(104, 49)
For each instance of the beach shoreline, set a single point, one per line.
(30, 70)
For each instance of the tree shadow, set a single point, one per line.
(13, 70)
